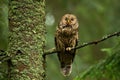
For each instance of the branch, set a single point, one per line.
(53, 50)
(98, 41)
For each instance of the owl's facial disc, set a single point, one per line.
(68, 21)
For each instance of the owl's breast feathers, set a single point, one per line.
(66, 32)
(67, 36)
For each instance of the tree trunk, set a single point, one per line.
(27, 39)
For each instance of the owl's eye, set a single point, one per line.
(72, 19)
(66, 18)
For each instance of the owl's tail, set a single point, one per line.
(66, 69)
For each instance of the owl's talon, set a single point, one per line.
(68, 49)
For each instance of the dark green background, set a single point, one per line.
(97, 18)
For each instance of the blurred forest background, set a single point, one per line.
(97, 18)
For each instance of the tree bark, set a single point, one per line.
(27, 39)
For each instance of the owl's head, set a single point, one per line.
(69, 20)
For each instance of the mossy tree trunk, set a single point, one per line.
(27, 39)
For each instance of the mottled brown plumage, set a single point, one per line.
(66, 37)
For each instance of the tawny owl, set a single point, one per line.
(66, 38)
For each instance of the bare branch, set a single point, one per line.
(50, 51)
(4, 57)
(53, 50)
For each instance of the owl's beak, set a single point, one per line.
(68, 21)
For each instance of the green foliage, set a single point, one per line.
(107, 50)
(108, 69)
(3, 24)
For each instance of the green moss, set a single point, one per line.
(27, 29)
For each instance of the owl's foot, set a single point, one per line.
(68, 48)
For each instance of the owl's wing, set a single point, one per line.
(59, 46)
(57, 42)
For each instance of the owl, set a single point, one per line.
(66, 38)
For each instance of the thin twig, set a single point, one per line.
(98, 41)
(53, 50)
(50, 51)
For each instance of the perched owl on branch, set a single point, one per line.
(66, 38)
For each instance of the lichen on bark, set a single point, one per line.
(26, 21)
